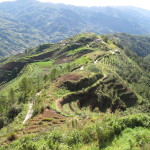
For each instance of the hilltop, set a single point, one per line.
(89, 85)
(26, 23)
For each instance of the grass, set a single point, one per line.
(61, 92)
(136, 138)
(46, 64)
(82, 60)
(96, 134)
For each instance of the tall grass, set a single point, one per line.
(103, 132)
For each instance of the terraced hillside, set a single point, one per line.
(86, 85)
(106, 93)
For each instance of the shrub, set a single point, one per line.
(1, 123)
(48, 119)
(11, 137)
(74, 138)
(88, 134)
(62, 120)
(74, 123)
(53, 145)
(93, 69)
(13, 112)
(105, 38)
(28, 146)
(40, 123)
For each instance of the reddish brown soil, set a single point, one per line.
(50, 113)
(70, 106)
(126, 95)
(11, 65)
(70, 76)
(40, 57)
(35, 126)
(58, 104)
(63, 60)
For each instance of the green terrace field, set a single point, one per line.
(86, 85)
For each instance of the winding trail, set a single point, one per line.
(58, 104)
(30, 109)
(29, 113)
(82, 68)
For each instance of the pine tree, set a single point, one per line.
(12, 95)
(24, 86)
(45, 78)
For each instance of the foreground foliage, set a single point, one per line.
(105, 132)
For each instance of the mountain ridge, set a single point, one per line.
(48, 22)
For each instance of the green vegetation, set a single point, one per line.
(137, 44)
(96, 91)
(91, 134)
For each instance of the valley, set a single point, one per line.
(28, 23)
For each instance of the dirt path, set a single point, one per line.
(30, 109)
(30, 112)
(82, 68)
(58, 104)
(95, 62)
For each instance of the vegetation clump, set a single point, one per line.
(48, 119)
(11, 137)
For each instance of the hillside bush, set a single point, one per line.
(13, 112)
(1, 123)
(93, 69)
(48, 119)
(101, 132)
(12, 136)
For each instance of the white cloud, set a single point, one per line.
(138, 3)
(5, 0)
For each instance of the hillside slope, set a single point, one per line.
(85, 84)
(23, 21)
(138, 44)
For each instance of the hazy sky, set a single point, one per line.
(138, 3)
(5, 0)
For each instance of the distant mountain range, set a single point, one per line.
(27, 23)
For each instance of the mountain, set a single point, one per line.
(85, 89)
(138, 44)
(15, 36)
(23, 21)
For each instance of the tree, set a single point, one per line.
(25, 86)
(38, 83)
(45, 78)
(68, 68)
(53, 73)
(13, 112)
(105, 38)
(12, 95)
(1, 123)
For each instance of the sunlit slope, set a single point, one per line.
(85, 78)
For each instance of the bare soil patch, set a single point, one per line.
(70, 76)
